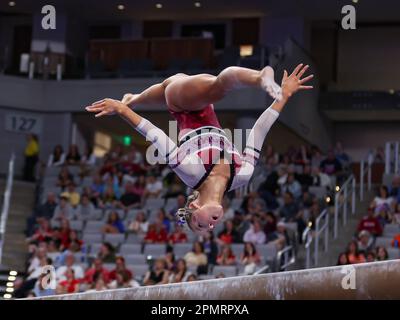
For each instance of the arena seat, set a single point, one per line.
(89, 238)
(394, 253)
(139, 270)
(390, 230)
(134, 259)
(180, 249)
(93, 226)
(130, 248)
(114, 239)
(154, 250)
(383, 242)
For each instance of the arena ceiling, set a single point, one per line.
(93, 10)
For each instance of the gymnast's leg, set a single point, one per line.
(191, 93)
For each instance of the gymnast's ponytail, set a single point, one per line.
(184, 215)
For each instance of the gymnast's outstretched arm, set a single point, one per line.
(290, 85)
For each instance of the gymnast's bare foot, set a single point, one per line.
(268, 83)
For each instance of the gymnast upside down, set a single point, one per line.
(205, 159)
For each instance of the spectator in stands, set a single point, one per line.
(381, 254)
(290, 208)
(170, 258)
(343, 260)
(43, 232)
(229, 235)
(63, 209)
(210, 248)
(109, 198)
(371, 224)
(73, 157)
(180, 203)
(320, 179)
(331, 165)
(180, 273)
(140, 225)
(250, 258)
(70, 284)
(197, 258)
(153, 188)
(98, 284)
(156, 233)
(174, 186)
(305, 178)
(73, 196)
(120, 270)
(134, 156)
(97, 270)
(229, 213)
(130, 199)
(39, 253)
(57, 158)
(46, 209)
(292, 185)
(85, 210)
(270, 226)
(64, 178)
(106, 253)
(384, 215)
(396, 241)
(177, 236)
(40, 291)
(69, 263)
(88, 158)
(353, 253)
(192, 277)
(341, 155)
(162, 216)
(270, 187)
(281, 237)
(379, 156)
(382, 198)
(64, 234)
(97, 187)
(114, 224)
(316, 156)
(394, 190)
(370, 256)
(365, 242)
(255, 234)
(31, 157)
(226, 257)
(158, 275)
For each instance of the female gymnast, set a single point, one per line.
(205, 159)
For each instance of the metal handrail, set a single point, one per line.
(307, 239)
(341, 201)
(287, 262)
(365, 169)
(262, 270)
(6, 203)
(392, 159)
(319, 230)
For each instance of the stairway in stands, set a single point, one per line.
(345, 234)
(15, 248)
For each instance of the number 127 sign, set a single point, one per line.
(23, 123)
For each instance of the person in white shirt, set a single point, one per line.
(69, 263)
(85, 209)
(255, 234)
(383, 198)
(153, 187)
(57, 158)
(63, 210)
(320, 179)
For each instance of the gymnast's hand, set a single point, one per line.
(293, 83)
(128, 99)
(107, 107)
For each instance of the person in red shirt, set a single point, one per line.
(43, 233)
(65, 231)
(120, 269)
(229, 235)
(371, 224)
(70, 285)
(178, 236)
(226, 258)
(156, 233)
(96, 270)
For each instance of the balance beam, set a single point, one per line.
(377, 280)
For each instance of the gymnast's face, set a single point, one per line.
(205, 217)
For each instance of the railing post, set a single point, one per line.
(345, 204)
(335, 218)
(362, 168)
(396, 158)
(326, 231)
(353, 196)
(387, 157)
(369, 175)
(316, 244)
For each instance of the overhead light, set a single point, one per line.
(121, 7)
(12, 3)
(7, 296)
(246, 50)
(355, 1)
(337, 188)
(159, 6)
(10, 290)
(10, 284)
(328, 199)
(11, 278)
(13, 273)
(197, 4)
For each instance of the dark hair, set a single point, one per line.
(245, 252)
(356, 245)
(385, 251)
(110, 215)
(57, 152)
(200, 244)
(385, 188)
(340, 256)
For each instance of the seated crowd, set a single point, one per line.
(378, 233)
(115, 195)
